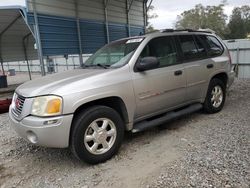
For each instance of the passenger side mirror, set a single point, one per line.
(147, 63)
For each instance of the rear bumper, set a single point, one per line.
(34, 130)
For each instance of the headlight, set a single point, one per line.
(47, 106)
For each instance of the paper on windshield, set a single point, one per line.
(134, 40)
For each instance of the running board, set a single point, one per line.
(141, 126)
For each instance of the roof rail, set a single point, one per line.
(187, 30)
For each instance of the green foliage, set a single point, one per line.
(213, 17)
(202, 17)
(239, 24)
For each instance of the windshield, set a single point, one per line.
(115, 54)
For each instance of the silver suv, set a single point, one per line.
(128, 85)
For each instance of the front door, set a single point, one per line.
(163, 88)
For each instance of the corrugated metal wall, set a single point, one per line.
(58, 28)
(58, 35)
(240, 54)
(91, 9)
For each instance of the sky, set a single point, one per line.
(167, 10)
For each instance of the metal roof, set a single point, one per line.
(14, 32)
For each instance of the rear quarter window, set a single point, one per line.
(213, 45)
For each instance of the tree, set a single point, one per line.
(202, 17)
(150, 16)
(239, 24)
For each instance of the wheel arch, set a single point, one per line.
(222, 76)
(113, 102)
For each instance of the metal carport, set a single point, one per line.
(16, 38)
(66, 27)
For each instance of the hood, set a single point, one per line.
(48, 84)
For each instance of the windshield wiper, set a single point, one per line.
(103, 66)
(96, 65)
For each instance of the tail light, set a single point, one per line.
(229, 56)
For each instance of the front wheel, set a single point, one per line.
(216, 96)
(97, 134)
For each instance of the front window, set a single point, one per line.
(164, 49)
(115, 54)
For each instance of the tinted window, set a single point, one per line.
(214, 47)
(163, 48)
(200, 47)
(188, 47)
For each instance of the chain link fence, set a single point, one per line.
(52, 64)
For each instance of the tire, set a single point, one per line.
(214, 101)
(97, 134)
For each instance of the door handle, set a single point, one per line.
(178, 72)
(209, 66)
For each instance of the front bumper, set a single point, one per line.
(54, 134)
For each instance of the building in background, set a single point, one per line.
(46, 29)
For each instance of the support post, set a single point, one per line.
(38, 39)
(25, 53)
(2, 66)
(1, 58)
(237, 59)
(73, 60)
(129, 4)
(78, 33)
(145, 15)
(105, 2)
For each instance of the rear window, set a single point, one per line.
(214, 47)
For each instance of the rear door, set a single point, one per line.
(200, 59)
(162, 88)
(197, 65)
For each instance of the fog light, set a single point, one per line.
(49, 122)
(31, 136)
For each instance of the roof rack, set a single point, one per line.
(187, 30)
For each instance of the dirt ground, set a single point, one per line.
(199, 150)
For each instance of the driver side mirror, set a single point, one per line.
(147, 63)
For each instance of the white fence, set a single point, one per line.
(240, 54)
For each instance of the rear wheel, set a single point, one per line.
(97, 134)
(216, 96)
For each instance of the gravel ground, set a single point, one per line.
(196, 151)
(217, 153)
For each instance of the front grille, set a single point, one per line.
(18, 107)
